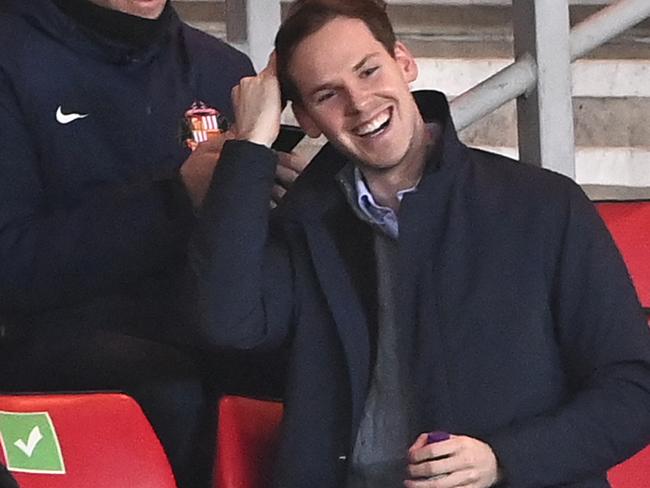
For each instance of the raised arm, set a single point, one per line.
(240, 266)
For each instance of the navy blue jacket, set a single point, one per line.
(528, 331)
(93, 221)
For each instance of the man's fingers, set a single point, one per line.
(294, 161)
(214, 143)
(453, 480)
(285, 176)
(271, 67)
(431, 451)
(465, 461)
(277, 192)
(421, 441)
(438, 467)
(290, 165)
(256, 102)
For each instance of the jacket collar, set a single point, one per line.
(44, 15)
(106, 24)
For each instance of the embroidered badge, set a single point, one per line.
(200, 122)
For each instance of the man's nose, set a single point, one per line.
(358, 98)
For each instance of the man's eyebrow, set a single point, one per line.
(356, 67)
(360, 64)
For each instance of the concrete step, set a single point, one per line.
(485, 31)
(613, 192)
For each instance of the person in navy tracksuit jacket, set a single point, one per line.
(6, 480)
(94, 218)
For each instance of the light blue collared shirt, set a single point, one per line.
(383, 217)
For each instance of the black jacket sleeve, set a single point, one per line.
(604, 343)
(240, 266)
(54, 254)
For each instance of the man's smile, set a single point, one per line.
(376, 125)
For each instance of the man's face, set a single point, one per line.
(149, 9)
(356, 94)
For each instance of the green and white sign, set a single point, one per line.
(30, 443)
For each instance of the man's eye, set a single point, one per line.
(369, 71)
(321, 97)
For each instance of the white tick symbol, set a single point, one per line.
(33, 439)
(62, 118)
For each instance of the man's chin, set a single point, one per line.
(148, 9)
(377, 167)
(370, 161)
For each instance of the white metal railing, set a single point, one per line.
(251, 26)
(519, 78)
(509, 83)
(606, 24)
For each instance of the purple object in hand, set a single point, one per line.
(433, 437)
(437, 436)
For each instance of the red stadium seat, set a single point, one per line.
(98, 440)
(246, 440)
(629, 224)
(633, 473)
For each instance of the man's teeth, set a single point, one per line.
(373, 125)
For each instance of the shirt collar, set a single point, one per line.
(364, 204)
(366, 200)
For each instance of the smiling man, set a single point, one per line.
(420, 285)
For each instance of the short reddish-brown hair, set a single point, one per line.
(305, 17)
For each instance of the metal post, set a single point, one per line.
(252, 25)
(545, 117)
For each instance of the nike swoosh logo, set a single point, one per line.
(62, 118)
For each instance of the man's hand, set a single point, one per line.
(258, 106)
(290, 165)
(196, 172)
(458, 462)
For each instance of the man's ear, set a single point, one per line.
(306, 122)
(406, 62)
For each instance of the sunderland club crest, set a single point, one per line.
(200, 122)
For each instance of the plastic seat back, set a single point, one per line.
(633, 472)
(629, 224)
(247, 438)
(98, 440)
